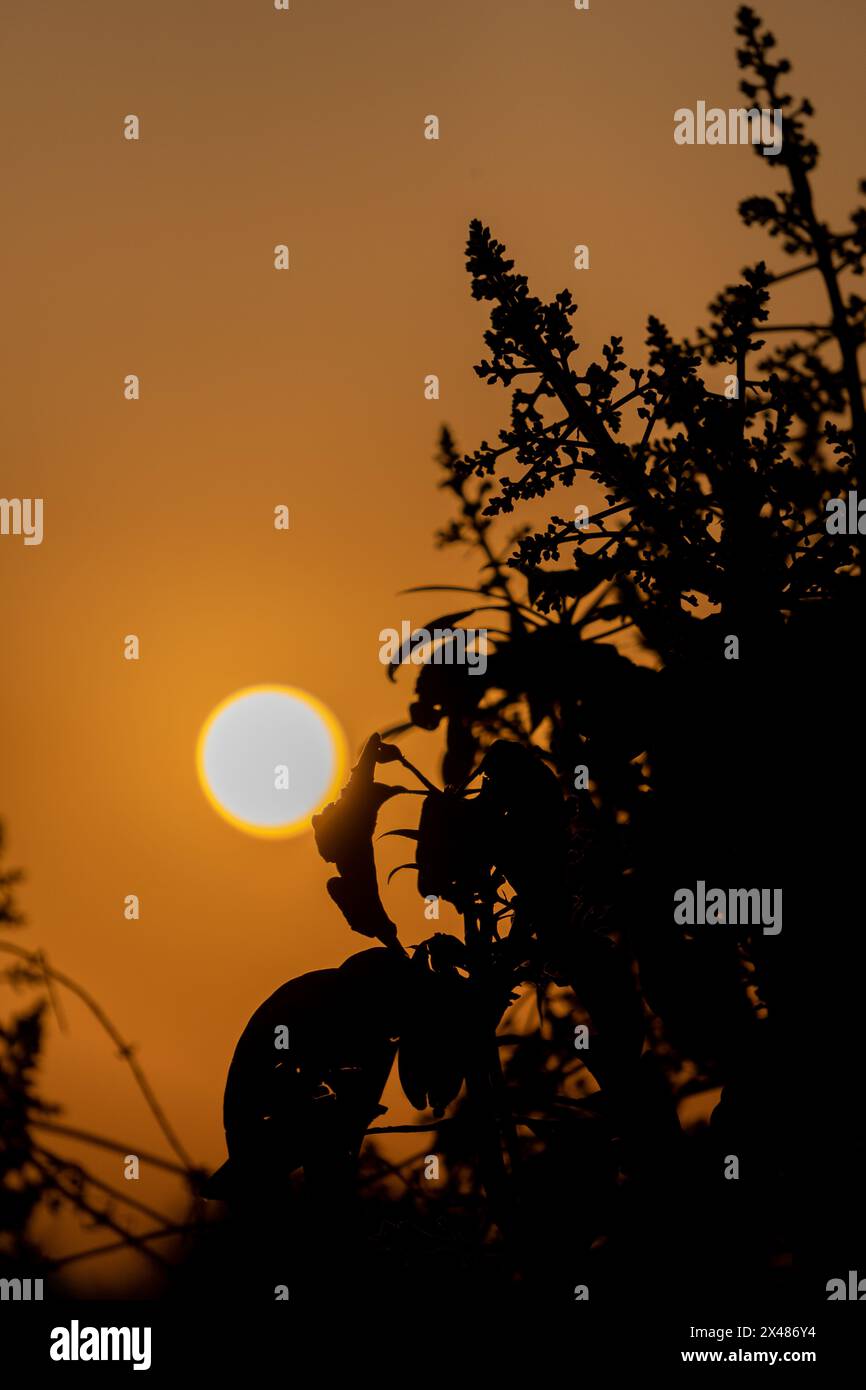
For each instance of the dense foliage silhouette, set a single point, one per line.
(612, 753)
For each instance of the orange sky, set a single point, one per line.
(304, 388)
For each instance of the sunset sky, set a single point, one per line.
(304, 388)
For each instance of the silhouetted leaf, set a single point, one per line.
(309, 1104)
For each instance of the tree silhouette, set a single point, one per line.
(611, 752)
(34, 1176)
(614, 749)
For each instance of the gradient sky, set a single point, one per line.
(303, 388)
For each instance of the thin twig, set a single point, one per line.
(53, 997)
(125, 1050)
(100, 1217)
(420, 775)
(789, 274)
(121, 1244)
(114, 1192)
(407, 1129)
(102, 1143)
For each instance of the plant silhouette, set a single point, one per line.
(610, 754)
(34, 1177)
(611, 656)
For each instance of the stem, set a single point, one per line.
(100, 1217)
(125, 1049)
(64, 1165)
(841, 327)
(420, 775)
(102, 1143)
(161, 1234)
(480, 1087)
(407, 1129)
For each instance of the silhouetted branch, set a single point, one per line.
(100, 1142)
(162, 1234)
(407, 1129)
(82, 1175)
(125, 1050)
(101, 1218)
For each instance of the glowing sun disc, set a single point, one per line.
(269, 757)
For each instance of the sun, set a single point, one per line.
(268, 758)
